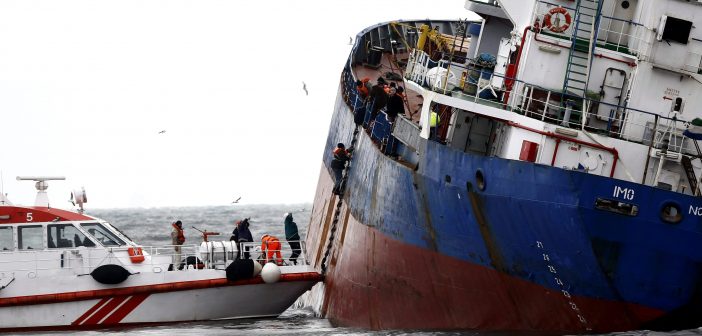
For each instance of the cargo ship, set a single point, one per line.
(542, 174)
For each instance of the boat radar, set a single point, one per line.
(41, 185)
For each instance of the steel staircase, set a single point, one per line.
(584, 36)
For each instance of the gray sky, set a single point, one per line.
(86, 86)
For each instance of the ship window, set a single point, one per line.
(103, 235)
(30, 237)
(625, 4)
(7, 242)
(670, 213)
(480, 179)
(66, 236)
(677, 30)
(616, 206)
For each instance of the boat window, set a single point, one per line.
(6, 241)
(66, 236)
(119, 231)
(102, 234)
(30, 237)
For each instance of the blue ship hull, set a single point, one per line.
(535, 226)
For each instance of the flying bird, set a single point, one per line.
(304, 87)
(162, 132)
(237, 200)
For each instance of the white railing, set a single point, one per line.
(625, 36)
(157, 258)
(536, 102)
(617, 34)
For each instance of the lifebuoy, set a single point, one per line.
(556, 25)
(136, 255)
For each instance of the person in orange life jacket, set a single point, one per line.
(177, 239)
(270, 245)
(242, 234)
(338, 163)
(395, 104)
(362, 89)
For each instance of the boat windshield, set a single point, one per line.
(102, 234)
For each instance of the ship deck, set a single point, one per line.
(391, 71)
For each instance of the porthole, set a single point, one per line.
(670, 213)
(480, 180)
(447, 178)
(625, 4)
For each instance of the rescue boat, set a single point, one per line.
(64, 270)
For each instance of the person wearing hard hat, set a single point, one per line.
(270, 245)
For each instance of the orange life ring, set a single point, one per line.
(556, 25)
(136, 255)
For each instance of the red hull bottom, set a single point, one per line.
(376, 282)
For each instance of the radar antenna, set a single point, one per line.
(41, 185)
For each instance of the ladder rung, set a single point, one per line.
(580, 65)
(576, 56)
(579, 73)
(575, 80)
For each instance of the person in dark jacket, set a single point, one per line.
(378, 97)
(242, 234)
(293, 237)
(341, 156)
(395, 104)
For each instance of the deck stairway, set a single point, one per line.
(584, 35)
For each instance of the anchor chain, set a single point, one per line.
(337, 212)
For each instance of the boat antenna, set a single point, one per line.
(41, 185)
(2, 189)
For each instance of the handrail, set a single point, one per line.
(87, 259)
(628, 123)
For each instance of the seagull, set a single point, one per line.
(237, 200)
(304, 87)
(350, 40)
(162, 132)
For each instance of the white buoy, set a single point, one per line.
(257, 268)
(270, 273)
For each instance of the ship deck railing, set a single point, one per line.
(36, 263)
(616, 34)
(481, 85)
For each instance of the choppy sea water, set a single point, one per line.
(152, 226)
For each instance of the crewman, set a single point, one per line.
(433, 122)
(271, 245)
(338, 164)
(177, 239)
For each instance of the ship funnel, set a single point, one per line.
(41, 185)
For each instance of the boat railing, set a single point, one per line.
(286, 252)
(477, 84)
(157, 258)
(616, 34)
(380, 129)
